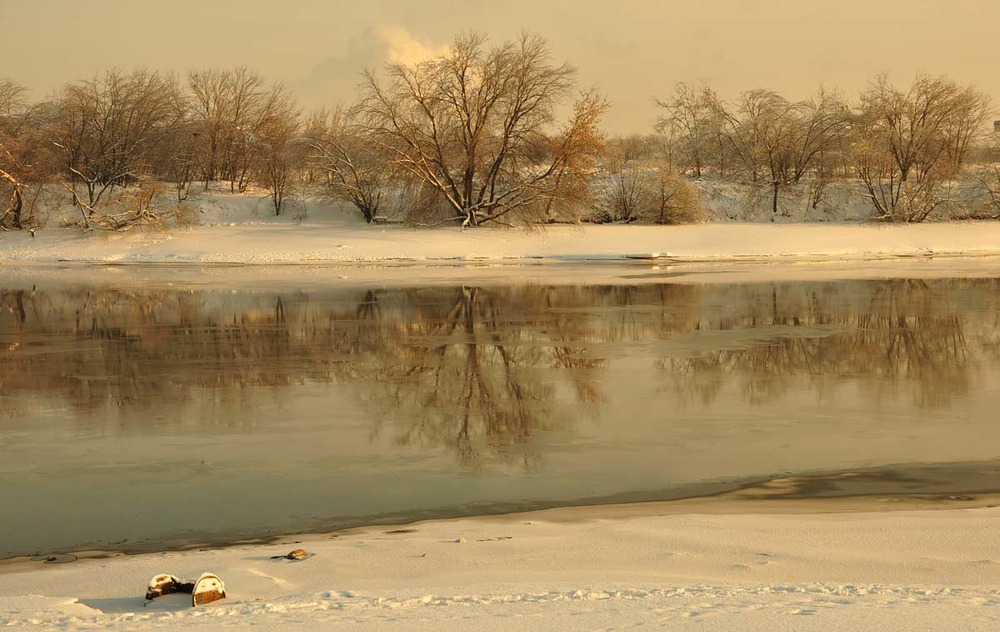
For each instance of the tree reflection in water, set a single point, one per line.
(464, 367)
(889, 336)
(484, 369)
(476, 367)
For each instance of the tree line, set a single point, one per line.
(483, 134)
(903, 145)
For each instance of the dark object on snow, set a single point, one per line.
(59, 558)
(166, 585)
(205, 589)
(297, 554)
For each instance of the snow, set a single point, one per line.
(727, 563)
(647, 566)
(246, 234)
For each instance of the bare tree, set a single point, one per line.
(109, 130)
(989, 175)
(692, 120)
(210, 107)
(762, 133)
(180, 164)
(624, 187)
(820, 127)
(13, 189)
(273, 115)
(777, 142)
(647, 191)
(575, 153)
(358, 170)
(230, 109)
(823, 132)
(12, 98)
(11, 186)
(24, 158)
(909, 144)
(468, 124)
(277, 156)
(671, 198)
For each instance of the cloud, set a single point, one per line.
(403, 48)
(336, 78)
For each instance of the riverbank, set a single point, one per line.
(729, 562)
(344, 240)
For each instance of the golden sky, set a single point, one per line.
(633, 50)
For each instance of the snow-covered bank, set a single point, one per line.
(655, 566)
(342, 241)
(239, 229)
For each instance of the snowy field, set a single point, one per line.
(717, 564)
(881, 564)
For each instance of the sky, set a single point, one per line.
(632, 50)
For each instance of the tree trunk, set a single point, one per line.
(17, 208)
(774, 199)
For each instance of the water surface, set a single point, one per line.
(148, 416)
